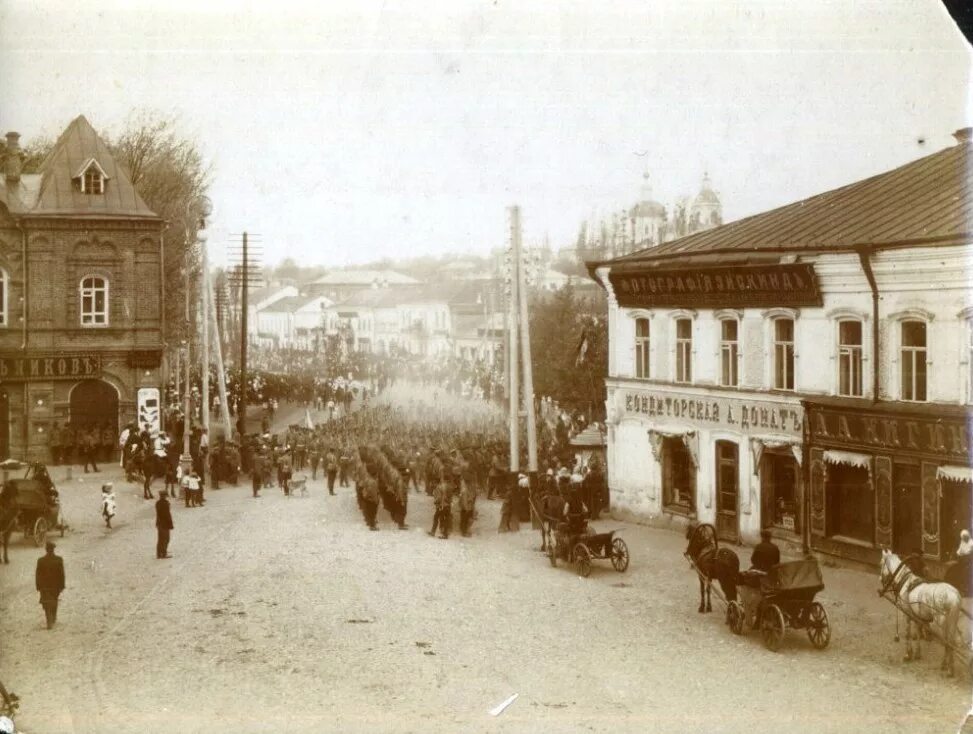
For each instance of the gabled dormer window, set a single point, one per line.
(91, 178)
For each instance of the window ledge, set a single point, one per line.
(851, 541)
(682, 510)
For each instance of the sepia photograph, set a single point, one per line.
(486, 367)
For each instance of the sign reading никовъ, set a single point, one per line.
(66, 367)
(709, 410)
(735, 286)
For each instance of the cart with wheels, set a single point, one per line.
(581, 548)
(782, 598)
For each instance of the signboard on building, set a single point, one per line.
(62, 367)
(919, 434)
(713, 411)
(149, 414)
(727, 286)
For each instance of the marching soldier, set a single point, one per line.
(467, 506)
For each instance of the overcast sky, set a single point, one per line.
(344, 132)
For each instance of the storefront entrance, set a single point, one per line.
(727, 490)
(4, 425)
(850, 503)
(907, 510)
(956, 513)
(94, 403)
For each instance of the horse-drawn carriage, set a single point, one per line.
(933, 609)
(579, 545)
(781, 598)
(29, 504)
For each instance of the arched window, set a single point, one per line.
(4, 293)
(642, 369)
(912, 360)
(684, 350)
(729, 352)
(783, 353)
(94, 301)
(850, 358)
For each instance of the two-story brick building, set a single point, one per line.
(808, 369)
(81, 295)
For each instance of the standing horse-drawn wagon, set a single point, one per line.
(579, 545)
(29, 504)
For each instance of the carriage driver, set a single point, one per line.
(575, 511)
(766, 555)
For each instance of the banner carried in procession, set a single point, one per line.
(727, 286)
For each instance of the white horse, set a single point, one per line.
(925, 603)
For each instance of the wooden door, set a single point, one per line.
(727, 490)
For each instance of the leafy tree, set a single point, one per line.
(558, 323)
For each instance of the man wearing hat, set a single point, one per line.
(766, 554)
(163, 525)
(49, 580)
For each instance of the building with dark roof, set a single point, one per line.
(81, 296)
(808, 369)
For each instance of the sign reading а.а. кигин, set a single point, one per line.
(737, 286)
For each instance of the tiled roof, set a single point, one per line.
(930, 199)
(54, 192)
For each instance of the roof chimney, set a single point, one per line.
(964, 135)
(13, 161)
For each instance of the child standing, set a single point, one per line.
(107, 503)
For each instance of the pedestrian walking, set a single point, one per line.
(331, 467)
(89, 445)
(163, 525)
(49, 580)
(107, 503)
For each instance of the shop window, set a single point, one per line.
(4, 289)
(850, 358)
(729, 352)
(850, 503)
(94, 301)
(778, 489)
(784, 354)
(678, 476)
(912, 358)
(642, 349)
(684, 350)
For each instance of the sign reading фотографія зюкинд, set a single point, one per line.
(725, 286)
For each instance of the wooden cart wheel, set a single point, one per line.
(818, 627)
(40, 531)
(552, 553)
(619, 551)
(735, 617)
(582, 557)
(772, 627)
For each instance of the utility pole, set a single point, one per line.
(204, 351)
(513, 391)
(246, 276)
(244, 307)
(220, 369)
(525, 357)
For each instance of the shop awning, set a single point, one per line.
(955, 473)
(848, 458)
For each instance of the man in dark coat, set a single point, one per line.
(766, 554)
(49, 580)
(163, 524)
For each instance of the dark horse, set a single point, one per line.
(8, 516)
(711, 562)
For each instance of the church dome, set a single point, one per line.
(706, 194)
(647, 206)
